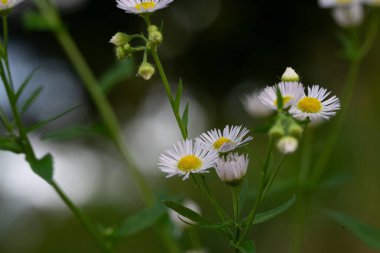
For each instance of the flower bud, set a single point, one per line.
(120, 39)
(232, 169)
(146, 70)
(155, 37)
(295, 130)
(277, 131)
(287, 145)
(290, 76)
(121, 53)
(152, 28)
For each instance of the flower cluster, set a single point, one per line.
(293, 104)
(209, 150)
(348, 13)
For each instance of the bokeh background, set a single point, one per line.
(222, 50)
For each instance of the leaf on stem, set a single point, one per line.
(280, 101)
(140, 221)
(369, 235)
(10, 144)
(243, 193)
(25, 84)
(121, 71)
(245, 247)
(31, 99)
(188, 213)
(178, 96)
(268, 215)
(47, 121)
(42, 167)
(77, 131)
(185, 117)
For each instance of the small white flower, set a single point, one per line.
(253, 105)
(232, 169)
(315, 105)
(290, 75)
(180, 221)
(230, 139)
(337, 3)
(348, 16)
(185, 157)
(291, 92)
(287, 145)
(8, 4)
(142, 6)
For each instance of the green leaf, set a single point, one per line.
(140, 221)
(25, 84)
(10, 144)
(188, 213)
(178, 96)
(42, 167)
(243, 193)
(121, 71)
(268, 215)
(47, 121)
(185, 117)
(369, 235)
(77, 131)
(245, 247)
(280, 101)
(34, 21)
(32, 98)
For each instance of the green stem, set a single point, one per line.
(236, 207)
(333, 137)
(82, 218)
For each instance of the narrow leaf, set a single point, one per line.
(188, 213)
(32, 98)
(42, 167)
(245, 247)
(268, 215)
(369, 235)
(280, 101)
(47, 121)
(243, 193)
(140, 221)
(25, 84)
(185, 117)
(77, 131)
(178, 96)
(121, 71)
(10, 144)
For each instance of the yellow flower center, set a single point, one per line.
(309, 105)
(4, 1)
(189, 163)
(285, 100)
(144, 6)
(344, 1)
(219, 143)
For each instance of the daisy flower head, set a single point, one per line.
(291, 92)
(142, 6)
(232, 169)
(337, 3)
(185, 157)
(226, 141)
(315, 105)
(348, 16)
(8, 4)
(253, 105)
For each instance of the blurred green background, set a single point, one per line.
(222, 50)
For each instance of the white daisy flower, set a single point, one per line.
(348, 16)
(315, 105)
(291, 92)
(142, 6)
(185, 157)
(232, 169)
(8, 4)
(253, 105)
(230, 139)
(337, 3)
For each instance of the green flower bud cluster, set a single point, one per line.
(122, 47)
(155, 36)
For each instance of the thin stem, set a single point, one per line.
(236, 207)
(273, 176)
(82, 218)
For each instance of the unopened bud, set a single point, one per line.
(155, 37)
(121, 53)
(290, 76)
(287, 145)
(152, 28)
(295, 130)
(120, 39)
(277, 131)
(146, 70)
